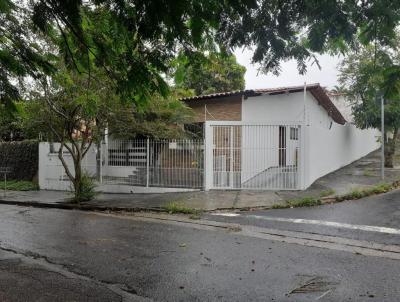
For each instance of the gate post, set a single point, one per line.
(100, 159)
(147, 161)
(208, 156)
(302, 173)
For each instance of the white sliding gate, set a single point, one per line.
(253, 156)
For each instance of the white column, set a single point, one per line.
(147, 162)
(208, 156)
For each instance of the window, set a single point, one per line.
(294, 133)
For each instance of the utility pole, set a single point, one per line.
(382, 138)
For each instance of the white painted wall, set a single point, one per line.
(274, 108)
(260, 145)
(52, 175)
(328, 146)
(330, 149)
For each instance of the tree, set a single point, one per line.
(135, 40)
(213, 72)
(10, 125)
(162, 118)
(23, 52)
(364, 77)
(72, 109)
(75, 109)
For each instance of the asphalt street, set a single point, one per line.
(381, 211)
(61, 255)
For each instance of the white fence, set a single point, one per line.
(152, 163)
(234, 155)
(253, 156)
(128, 166)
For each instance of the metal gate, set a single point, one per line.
(154, 163)
(263, 157)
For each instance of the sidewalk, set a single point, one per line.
(360, 174)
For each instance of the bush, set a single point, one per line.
(22, 157)
(87, 189)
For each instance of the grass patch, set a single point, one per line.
(280, 206)
(20, 185)
(354, 194)
(297, 203)
(327, 193)
(360, 193)
(179, 208)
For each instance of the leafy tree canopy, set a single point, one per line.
(213, 72)
(21, 53)
(365, 77)
(133, 41)
(161, 119)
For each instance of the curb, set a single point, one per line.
(88, 208)
(68, 206)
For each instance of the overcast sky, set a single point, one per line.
(289, 76)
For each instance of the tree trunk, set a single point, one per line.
(78, 177)
(390, 148)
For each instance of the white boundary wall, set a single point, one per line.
(51, 172)
(330, 148)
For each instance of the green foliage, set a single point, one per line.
(86, 191)
(23, 52)
(162, 118)
(205, 74)
(179, 208)
(301, 202)
(134, 41)
(22, 157)
(380, 188)
(21, 185)
(360, 193)
(362, 74)
(365, 74)
(10, 128)
(304, 202)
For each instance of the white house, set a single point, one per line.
(278, 138)
(266, 139)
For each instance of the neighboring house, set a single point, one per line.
(276, 138)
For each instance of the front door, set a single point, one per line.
(282, 146)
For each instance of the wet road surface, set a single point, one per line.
(187, 261)
(375, 219)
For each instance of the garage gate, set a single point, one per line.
(258, 157)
